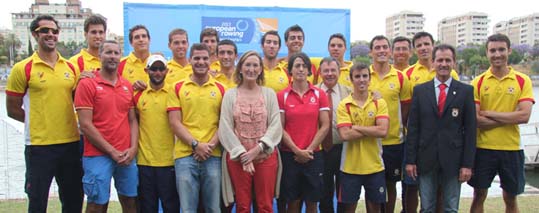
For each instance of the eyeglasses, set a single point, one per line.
(46, 30)
(155, 69)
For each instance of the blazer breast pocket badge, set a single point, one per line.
(455, 112)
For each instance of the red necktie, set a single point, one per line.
(441, 99)
(327, 144)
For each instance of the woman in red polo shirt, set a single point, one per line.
(305, 118)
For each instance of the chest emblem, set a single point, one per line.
(66, 75)
(511, 90)
(370, 114)
(313, 100)
(391, 86)
(212, 94)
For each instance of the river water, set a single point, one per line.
(12, 165)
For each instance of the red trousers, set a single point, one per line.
(262, 181)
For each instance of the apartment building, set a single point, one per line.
(404, 23)
(520, 30)
(460, 30)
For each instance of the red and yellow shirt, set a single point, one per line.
(200, 107)
(276, 78)
(501, 95)
(47, 94)
(132, 68)
(362, 156)
(418, 74)
(156, 139)
(177, 72)
(395, 89)
(85, 61)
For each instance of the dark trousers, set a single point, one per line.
(158, 183)
(61, 161)
(332, 164)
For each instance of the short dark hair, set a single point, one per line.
(271, 32)
(135, 28)
(337, 35)
(420, 35)
(402, 38)
(107, 42)
(177, 31)
(359, 66)
(95, 19)
(209, 32)
(294, 27)
(198, 46)
(328, 60)
(227, 42)
(35, 23)
(498, 37)
(444, 47)
(303, 57)
(379, 37)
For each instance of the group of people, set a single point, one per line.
(200, 132)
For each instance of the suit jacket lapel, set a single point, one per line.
(431, 96)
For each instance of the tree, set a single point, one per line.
(359, 49)
(30, 49)
(10, 44)
(363, 59)
(69, 49)
(515, 57)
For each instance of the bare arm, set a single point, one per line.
(377, 131)
(347, 133)
(323, 119)
(14, 107)
(133, 125)
(95, 137)
(484, 122)
(520, 116)
(203, 150)
(405, 108)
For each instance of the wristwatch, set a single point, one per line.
(194, 144)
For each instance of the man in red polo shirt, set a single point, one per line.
(107, 119)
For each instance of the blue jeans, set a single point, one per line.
(193, 177)
(428, 187)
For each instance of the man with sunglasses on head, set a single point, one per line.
(43, 83)
(155, 157)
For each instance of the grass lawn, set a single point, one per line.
(526, 203)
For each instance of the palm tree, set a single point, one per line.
(13, 44)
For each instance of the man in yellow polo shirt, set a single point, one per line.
(227, 52)
(210, 37)
(95, 28)
(336, 49)
(395, 89)
(178, 67)
(43, 84)
(362, 122)
(132, 66)
(157, 180)
(193, 113)
(275, 76)
(504, 99)
(422, 71)
(294, 38)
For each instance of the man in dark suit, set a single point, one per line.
(441, 134)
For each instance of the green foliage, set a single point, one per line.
(362, 59)
(515, 57)
(69, 49)
(412, 59)
(535, 67)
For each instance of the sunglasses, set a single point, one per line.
(155, 69)
(46, 30)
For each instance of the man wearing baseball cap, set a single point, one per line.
(156, 141)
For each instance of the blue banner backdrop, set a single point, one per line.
(243, 25)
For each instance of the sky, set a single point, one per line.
(367, 17)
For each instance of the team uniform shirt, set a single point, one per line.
(47, 94)
(110, 105)
(361, 156)
(132, 68)
(216, 65)
(229, 83)
(395, 89)
(418, 74)
(200, 107)
(156, 139)
(301, 114)
(177, 72)
(501, 95)
(85, 61)
(276, 78)
(344, 77)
